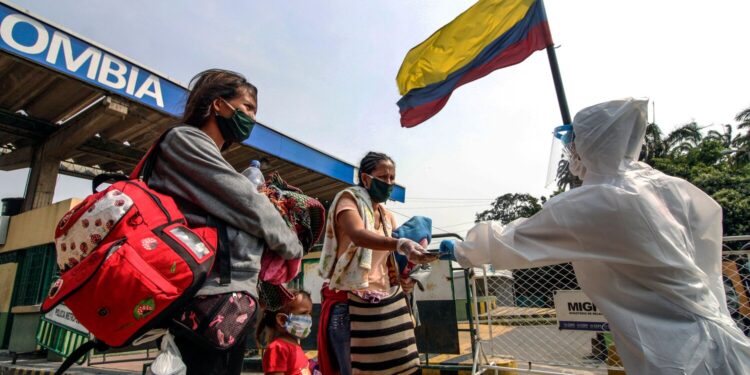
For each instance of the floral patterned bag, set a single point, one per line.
(306, 217)
(216, 321)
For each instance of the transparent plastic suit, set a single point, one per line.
(646, 248)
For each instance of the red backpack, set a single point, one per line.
(128, 261)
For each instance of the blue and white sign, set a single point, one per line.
(32, 39)
(575, 311)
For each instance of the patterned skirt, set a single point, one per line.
(382, 336)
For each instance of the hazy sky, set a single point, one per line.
(326, 76)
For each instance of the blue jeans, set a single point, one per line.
(339, 338)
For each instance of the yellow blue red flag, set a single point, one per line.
(490, 35)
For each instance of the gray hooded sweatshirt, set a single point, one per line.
(190, 169)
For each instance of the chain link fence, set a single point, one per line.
(521, 327)
(736, 271)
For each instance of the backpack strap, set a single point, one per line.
(223, 259)
(104, 177)
(79, 353)
(146, 165)
(142, 170)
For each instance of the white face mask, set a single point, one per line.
(298, 325)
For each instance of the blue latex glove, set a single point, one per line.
(448, 250)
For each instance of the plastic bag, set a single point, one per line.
(169, 360)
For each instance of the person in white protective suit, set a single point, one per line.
(646, 249)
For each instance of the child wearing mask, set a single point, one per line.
(282, 330)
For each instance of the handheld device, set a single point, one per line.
(438, 253)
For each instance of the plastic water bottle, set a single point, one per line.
(254, 174)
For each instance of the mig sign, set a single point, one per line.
(576, 312)
(32, 39)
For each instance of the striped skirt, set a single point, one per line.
(382, 337)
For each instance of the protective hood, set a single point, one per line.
(609, 133)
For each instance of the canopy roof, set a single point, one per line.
(97, 111)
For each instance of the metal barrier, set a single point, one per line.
(440, 330)
(736, 269)
(524, 327)
(58, 339)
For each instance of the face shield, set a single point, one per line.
(560, 154)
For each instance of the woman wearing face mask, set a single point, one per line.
(282, 330)
(190, 168)
(360, 275)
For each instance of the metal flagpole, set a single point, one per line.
(562, 101)
(559, 89)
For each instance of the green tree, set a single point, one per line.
(724, 138)
(741, 142)
(683, 139)
(653, 146)
(509, 207)
(722, 176)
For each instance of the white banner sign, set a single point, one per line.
(62, 315)
(575, 311)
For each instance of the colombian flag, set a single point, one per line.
(490, 35)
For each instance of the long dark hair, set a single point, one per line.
(266, 327)
(370, 162)
(209, 85)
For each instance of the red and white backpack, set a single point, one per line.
(128, 260)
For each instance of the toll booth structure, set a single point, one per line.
(71, 106)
